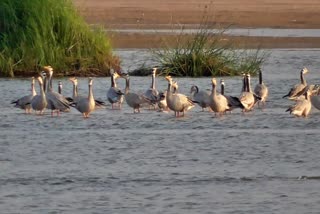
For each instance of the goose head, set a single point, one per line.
(90, 81)
(73, 80)
(214, 81)
(169, 78)
(304, 70)
(154, 71)
(194, 89)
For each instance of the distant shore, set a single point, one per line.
(146, 14)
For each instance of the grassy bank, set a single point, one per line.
(34, 33)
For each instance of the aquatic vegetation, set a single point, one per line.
(34, 33)
(206, 54)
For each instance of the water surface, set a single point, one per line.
(120, 162)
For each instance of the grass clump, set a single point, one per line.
(205, 53)
(34, 33)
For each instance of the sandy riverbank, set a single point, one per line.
(148, 14)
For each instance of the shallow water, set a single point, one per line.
(120, 162)
(265, 32)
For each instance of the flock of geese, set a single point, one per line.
(303, 95)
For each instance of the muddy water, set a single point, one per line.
(119, 162)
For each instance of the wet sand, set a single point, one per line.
(145, 14)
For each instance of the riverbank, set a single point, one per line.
(167, 14)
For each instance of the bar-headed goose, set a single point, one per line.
(177, 102)
(233, 102)
(85, 105)
(218, 102)
(261, 90)
(114, 94)
(247, 98)
(162, 101)
(202, 98)
(152, 93)
(39, 102)
(133, 99)
(25, 102)
(76, 96)
(302, 107)
(298, 89)
(56, 102)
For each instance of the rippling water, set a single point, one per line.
(119, 162)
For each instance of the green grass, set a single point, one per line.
(205, 54)
(34, 33)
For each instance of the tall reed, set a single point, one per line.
(205, 53)
(34, 33)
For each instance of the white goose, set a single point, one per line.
(218, 102)
(302, 107)
(175, 101)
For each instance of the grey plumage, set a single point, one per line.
(261, 90)
(247, 98)
(152, 93)
(298, 89)
(85, 105)
(56, 102)
(114, 94)
(233, 102)
(39, 102)
(202, 98)
(25, 101)
(133, 99)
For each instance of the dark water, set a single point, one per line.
(119, 162)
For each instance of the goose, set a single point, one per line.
(247, 98)
(162, 101)
(175, 101)
(152, 93)
(39, 102)
(85, 105)
(298, 89)
(261, 90)
(201, 97)
(114, 94)
(315, 97)
(76, 96)
(133, 100)
(233, 102)
(24, 102)
(218, 102)
(56, 102)
(302, 107)
(60, 87)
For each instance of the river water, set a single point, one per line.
(120, 162)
